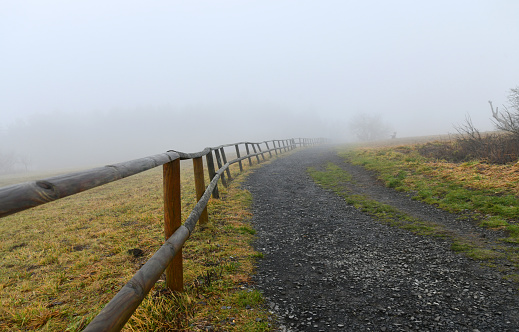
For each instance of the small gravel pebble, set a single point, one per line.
(329, 267)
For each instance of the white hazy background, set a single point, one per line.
(95, 82)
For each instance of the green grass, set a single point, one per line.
(328, 178)
(408, 171)
(333, 176)
(63, 261)
(382, 212)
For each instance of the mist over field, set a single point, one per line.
(65, 140)
(92, 83)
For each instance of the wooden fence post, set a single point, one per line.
(257, 157)
(284, 147)
(238, 156)
(268, 148)
(248, 153)
(219, 161)
(225, 162)
(275, 148)
(172, 221)
(262, 155)
(212, 172)
(198, 169)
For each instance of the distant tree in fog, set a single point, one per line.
(26, 162)
(10, 162)
(369, 127)
(7, 162)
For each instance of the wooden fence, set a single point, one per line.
(168, 258)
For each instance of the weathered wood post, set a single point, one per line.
(248, 153)
(172, 221)
(212, 173)
(284, 147)
(198, 169)
(225, 162)
(257, 157)
(219, 162)
(275, 148)
(238, 156)
(262, 155)
(268, 148)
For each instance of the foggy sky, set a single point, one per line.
(311, 65)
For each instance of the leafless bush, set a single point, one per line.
(494, 148)
(470, 144)
(508, 120)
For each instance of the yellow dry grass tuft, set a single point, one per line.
(502, 178)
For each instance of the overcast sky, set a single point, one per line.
(421, 65)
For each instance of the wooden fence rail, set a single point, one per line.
(115, 314)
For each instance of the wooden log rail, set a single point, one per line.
(168, 257)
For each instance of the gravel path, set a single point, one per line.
(329, 267)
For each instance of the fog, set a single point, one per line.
(97, 82)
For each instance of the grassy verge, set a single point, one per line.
(335, 178)
(63, 261)
(486, 192)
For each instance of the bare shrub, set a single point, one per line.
(508, 120)
(470, 144)
(494, 148)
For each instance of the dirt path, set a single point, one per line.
(329, 267)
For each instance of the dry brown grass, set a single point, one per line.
(61, 262)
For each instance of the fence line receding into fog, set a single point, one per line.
(168, 257)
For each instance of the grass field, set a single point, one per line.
(63, 261)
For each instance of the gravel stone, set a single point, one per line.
(329, 267)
